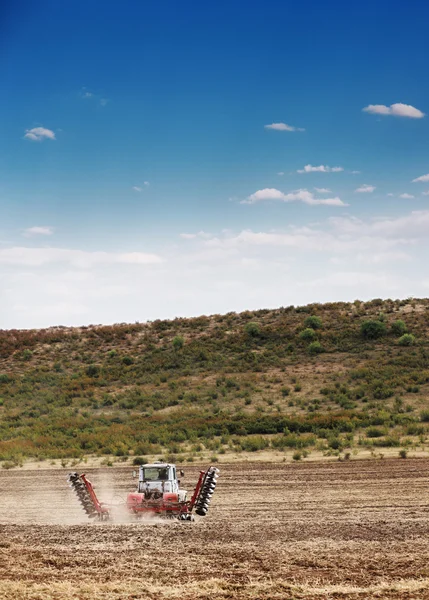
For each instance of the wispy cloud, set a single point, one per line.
(38, 134)
(283, 127)
(37, 257)
(365, 189)
(320, 169)
(45, 230)
(425, 193)
(304, 196)
(396, 110)
(88, 95)
(406, 196)
(322, 190)
(422, 178)
(193, 236)
(280, 173)
(139, 188)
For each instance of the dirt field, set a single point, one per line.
(356, 529)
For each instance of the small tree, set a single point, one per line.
(308, 334)
(372, 329)
(399, 328)
(406, 340)
(313, 322)
(178, 342)
(252, 329)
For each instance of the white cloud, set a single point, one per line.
(322, 190)
(283, 127)
(38, 134)
(355, 172)
(390, 194)
(103, 101)
(299, 195)
(280, 173)
(396, 110)
(320, 169)
(138, 188)
(38, 231)
(422, 178)
(406, 196)
(425, 193)
(38, 257)
(365, 189)
(192, 236)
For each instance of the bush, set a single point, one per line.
(252, 329)
(406, 340)
(139, 460)
(374, 432)
(307, 334)
(92, 371)
(399, 328)
(297, 456)
(178, 342)
(402, 453)
(127, 361)
(313, 322)
(424, 416)
(27, 354)
(372, 329)
(285, 391)
(315, 348)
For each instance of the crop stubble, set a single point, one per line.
(355, 529)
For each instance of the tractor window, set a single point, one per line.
(155, 474)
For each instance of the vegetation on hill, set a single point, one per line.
(326, 377)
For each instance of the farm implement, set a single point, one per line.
(158, 493)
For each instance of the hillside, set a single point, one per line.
(279, 379)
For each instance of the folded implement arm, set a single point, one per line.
(87, 497)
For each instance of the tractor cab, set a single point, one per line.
(160, 478)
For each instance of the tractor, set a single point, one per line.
(158, 493)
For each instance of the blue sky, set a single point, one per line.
(150, 156)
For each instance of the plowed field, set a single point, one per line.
(356, 529)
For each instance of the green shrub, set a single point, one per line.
(399, 328)
(307, 334)
(27, 354)
(297, 456)
(406, 340)
(374, 432)
(313, 322)
(92, 370)
(285, 391)
(315, 348)
(372, 329)
(252, 329)
(178, 342)
(424, 416)
(127, 360)
(402, 453)
(139, 460)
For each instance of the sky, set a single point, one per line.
(164, 159)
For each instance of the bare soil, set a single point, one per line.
(356, 529)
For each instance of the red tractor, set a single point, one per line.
(157, 493)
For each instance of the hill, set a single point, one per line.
(329, 377)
